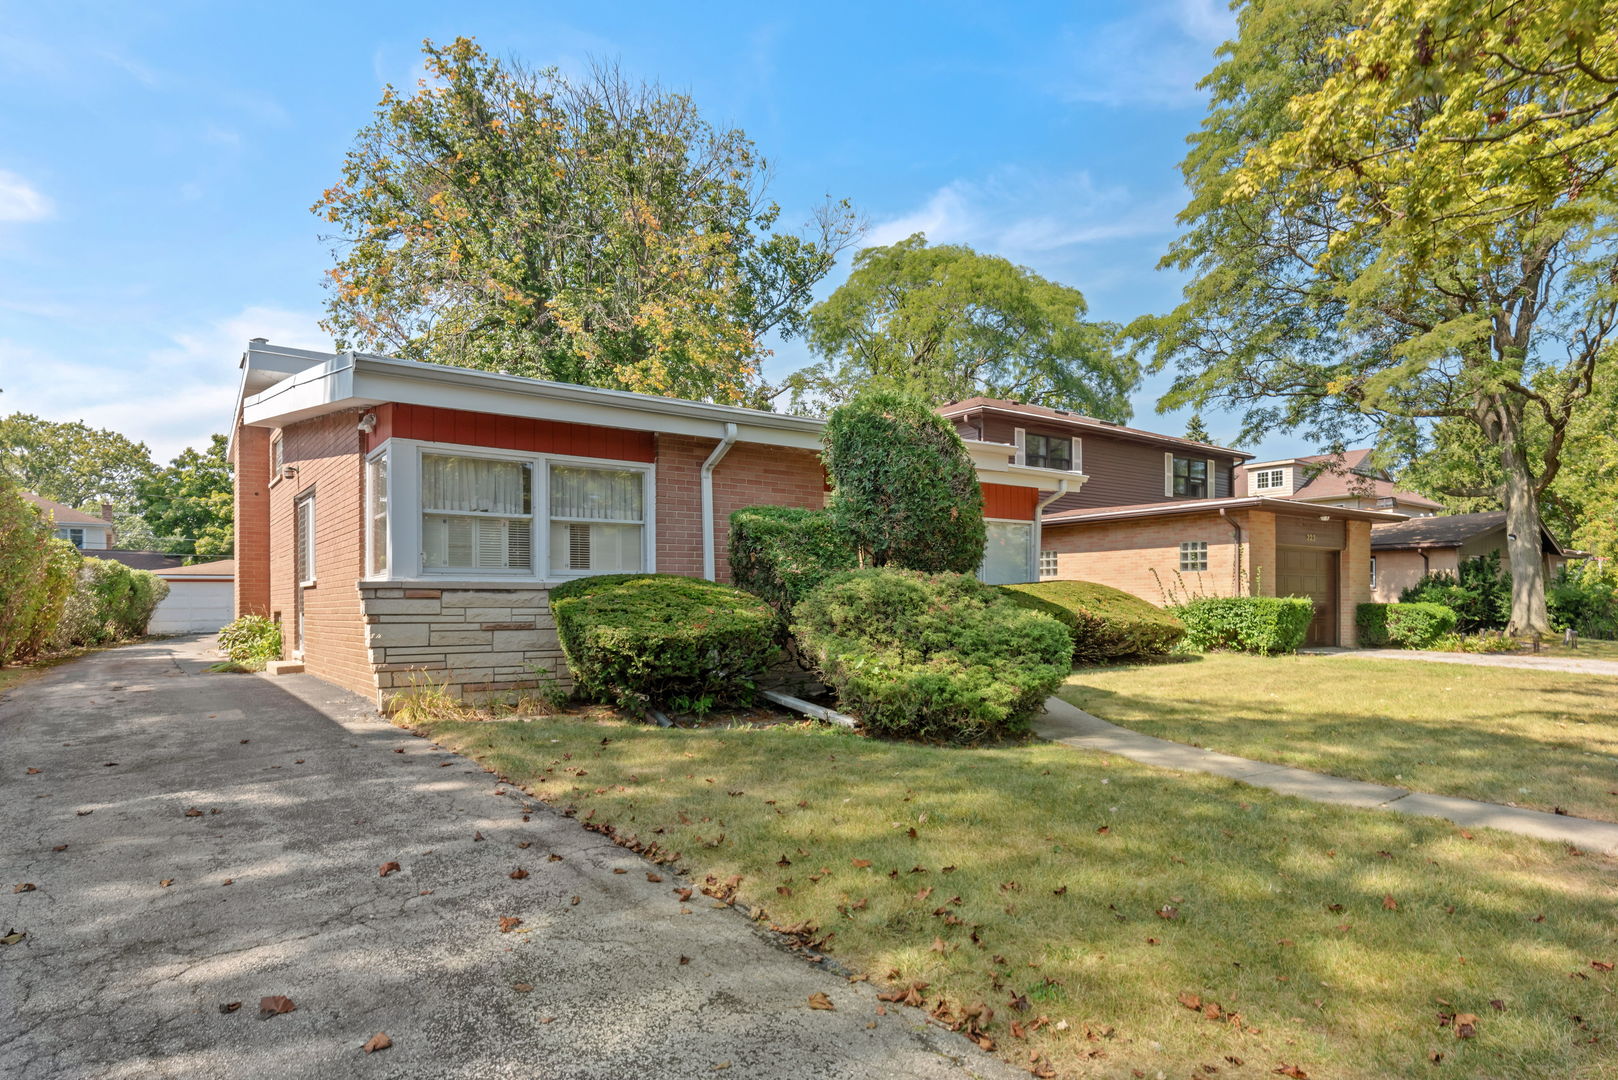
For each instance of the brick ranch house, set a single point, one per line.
(397, 517)
(1403, 554)
(1157, 516)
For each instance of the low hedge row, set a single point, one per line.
(1257, 624)
(937, 657)
(1106, 623)
(1416, 625)
(780, 553)
(661, 641)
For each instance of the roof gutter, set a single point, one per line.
(714, 458)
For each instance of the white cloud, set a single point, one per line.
(1153, 58)
(21, 201)
(1031, 217)
(169, 396)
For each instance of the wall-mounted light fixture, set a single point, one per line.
(367, 423)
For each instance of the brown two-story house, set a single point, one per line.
(1158, 516)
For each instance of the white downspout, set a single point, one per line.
(1039, 521)
(714, 458)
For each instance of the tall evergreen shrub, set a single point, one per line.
(903, 486)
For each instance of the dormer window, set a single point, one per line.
(1269, 479)
(1048, 452)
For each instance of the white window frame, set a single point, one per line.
(1049, 563)
(405, 556)
(1269, 479)
(1168, 476)
(76, 541)
(1197, 552)
(1373, 571)
(303, 538)
(372, 572)
(1030, 558)
(536, 488)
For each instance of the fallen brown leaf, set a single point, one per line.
(166, 882)
(274, 1005)
(27, 886)
(1389, 903)
(387, 868)
(1466, 1025)
(860, 864)
(817, 1000)
(508, 923)
(654, 878)
(380, 1040)
(228, 1007)
(518, 874)
(193, 812)
(522, 988)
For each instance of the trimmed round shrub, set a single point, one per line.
(1106, 623)
(936, 657)
(252, 639)
(1256, 624)
(646, 641)
(903, 486)
(1416, 625)
(780, 553)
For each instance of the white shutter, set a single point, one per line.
(1077, 464)
(1019, 438)
(1213, 487)
(1168, 475)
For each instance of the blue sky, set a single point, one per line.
(157, 160)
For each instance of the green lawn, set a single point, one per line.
(1587, 649)
(1034, 875)
(1538, 739)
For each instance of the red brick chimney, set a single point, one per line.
(106, 511)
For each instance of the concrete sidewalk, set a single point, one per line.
(1526, 661)
(1072, 726)
(145, 919)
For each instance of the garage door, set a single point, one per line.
(193, 607)
(1313, 573)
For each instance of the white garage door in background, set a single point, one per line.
(193, 607)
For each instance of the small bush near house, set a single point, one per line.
(1480, 595)
(660, 641)
(109, 602)
(1106, 623)
(903, 486)
(937, 657)
(1404, 626)
(253, 640)
(1583, 597)
(1256, 624)
(780, 553)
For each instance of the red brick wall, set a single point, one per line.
(326, 453)
(748, 475)
(251, 449)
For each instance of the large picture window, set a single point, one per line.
(477, 513)
(598, 520)
(1006, 554)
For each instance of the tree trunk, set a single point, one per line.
(1523, 545)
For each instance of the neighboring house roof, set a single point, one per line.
(1446, 531)
(65, 514)
(1344, 476)
(218, 569)
(1086, 515)
(1078, 420)
(139, 560)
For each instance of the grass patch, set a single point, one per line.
(1540, 739)
(1037, 872)
(1588, 649)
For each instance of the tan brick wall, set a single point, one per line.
(477, 643)
(1259, 526)
(1143, 556)
(326, 454)
(1397, 570)
(1353, 579)
(748, 475)
(251, 462)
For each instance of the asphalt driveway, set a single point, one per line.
(146, 919)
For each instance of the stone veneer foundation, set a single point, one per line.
(479, 642)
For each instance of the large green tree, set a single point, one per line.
(587, 230)
(190, 504)
(70, 461)
(944, 323)
(1401, 216)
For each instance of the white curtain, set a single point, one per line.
(474, 485)
(596, 494)
(1006, 555)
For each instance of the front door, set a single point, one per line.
(1313, 573)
